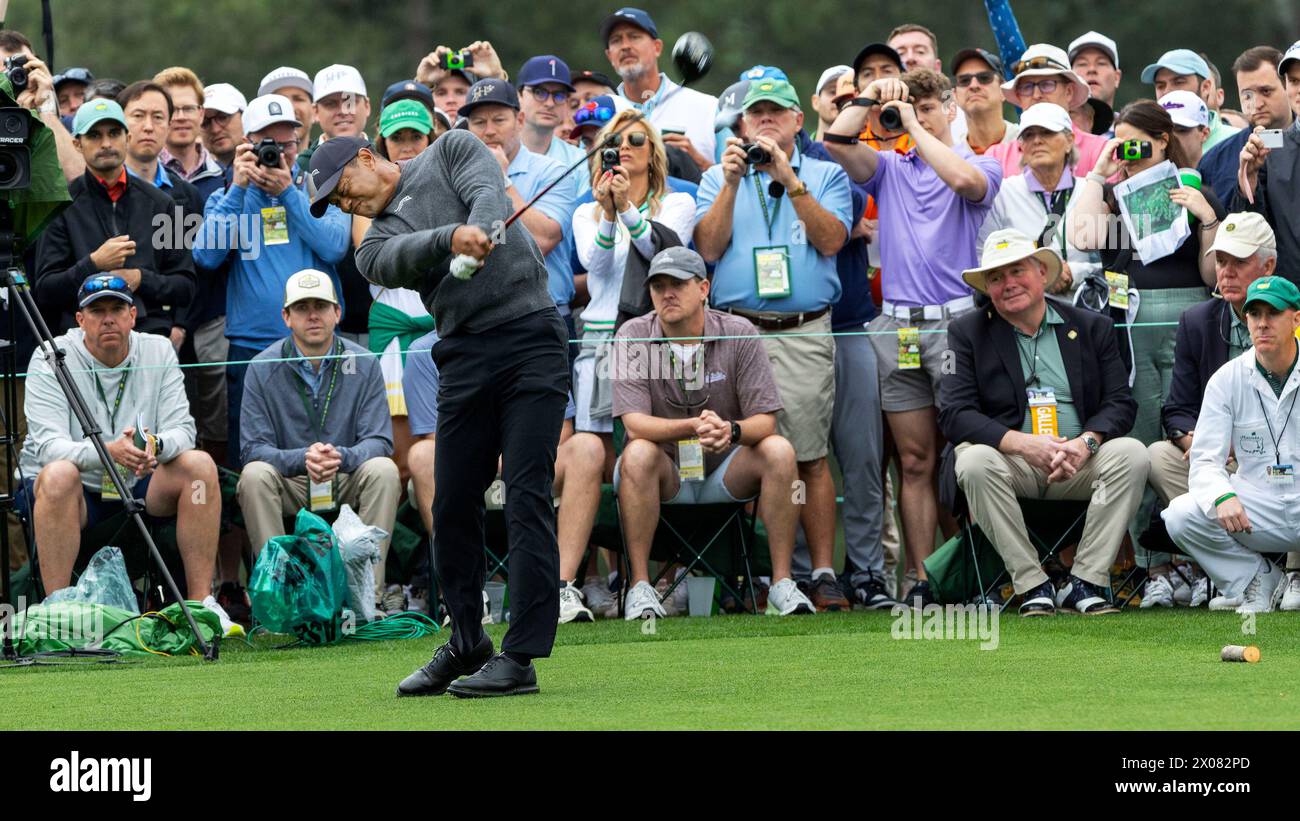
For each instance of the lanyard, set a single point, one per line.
(318, 423)
(1277, 441)
(1032, 379)
(698, 359)
(1059, 201)
(117, 403)
(770, 219)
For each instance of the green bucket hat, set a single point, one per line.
(405, 114)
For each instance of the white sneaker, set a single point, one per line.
(229, 629)
(595, 591)
(1158, 592)
(571, 606)
(785, 598)
(1259, 596)
(1291, 591)
(1200, 592)
(1225, 602)
(643, 603)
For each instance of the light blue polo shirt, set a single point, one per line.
(530, 173)
(814, 283)
(160, 179)
(566, 155)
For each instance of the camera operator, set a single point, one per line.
(264, 217)
(932, 201)
(39, 96)
(776, 268)
(109, 228)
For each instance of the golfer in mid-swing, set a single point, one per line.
(503, 371)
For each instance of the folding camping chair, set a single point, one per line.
(1041, 525)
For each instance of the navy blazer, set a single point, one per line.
(1200, 349)
(983, 396)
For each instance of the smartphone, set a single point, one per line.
(1272, 138)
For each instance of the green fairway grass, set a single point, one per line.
(1138, 670)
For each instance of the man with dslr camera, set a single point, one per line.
(776, 268)
(264, 217)
(932, 202)
(37, 94)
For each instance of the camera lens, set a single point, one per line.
(9, 169)
(757, 155)
(890, 119)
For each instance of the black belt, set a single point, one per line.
(777, 322)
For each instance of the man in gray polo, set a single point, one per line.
(700, 414)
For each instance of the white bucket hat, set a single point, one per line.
(1005, 247)
(1045, 60)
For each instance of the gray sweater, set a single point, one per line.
(274, 426)
(456, 181)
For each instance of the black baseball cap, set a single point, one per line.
(490, 92)
(876, 48)
(327, 163)
(965, 54)
(407, 90)
(594, 77)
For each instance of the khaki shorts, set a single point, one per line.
(803, 365)
(913, 388)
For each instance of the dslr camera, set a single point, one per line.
(457, 60)
(1130, 150)
(15, 153)
(756, 154)
(268, 153)
(17, 74)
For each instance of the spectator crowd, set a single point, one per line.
(970, 286)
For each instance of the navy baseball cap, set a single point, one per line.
(876, 48)
(545, 69)
(635, 17)
(327, 163)
(98, 286)
(993, 61)
(490, 92)
(407, 90)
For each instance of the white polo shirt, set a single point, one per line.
(687, 109)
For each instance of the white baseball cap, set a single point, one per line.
(1046, 115)
(286, 77)
(224, 97)
(830, 75)
(1095, 39)
(1243, 235)
(267, 110)
(1292, 55)
(339, 78)
(309, 284)
(1186, 109)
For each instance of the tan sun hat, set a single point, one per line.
(1005, 247)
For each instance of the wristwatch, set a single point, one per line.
(1092, 443)
(798, 192)
(735, 433)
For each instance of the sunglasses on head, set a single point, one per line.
(982, 77)
(104, 283)
(541, 95)
(1037, 62)
(591, 114)
(636, 139)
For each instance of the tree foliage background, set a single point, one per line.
(238, 41)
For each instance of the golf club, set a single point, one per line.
(692, 57)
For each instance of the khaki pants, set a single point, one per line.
(266, 498)
(804, 370)
(1168, 471)
(1112, 482)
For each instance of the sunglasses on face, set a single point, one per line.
(541, 95)
(982, 77)
(1026, 88)
(636, 139)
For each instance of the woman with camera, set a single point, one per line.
(1037, 202)
(629, 182)
(1166, 286)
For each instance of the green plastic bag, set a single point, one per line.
(298, 585)
(70, 625)
(953, 574)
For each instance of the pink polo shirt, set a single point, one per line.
(1008, 154)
